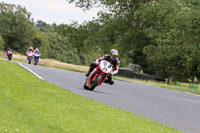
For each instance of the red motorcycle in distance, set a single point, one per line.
(9, 54)
(98, 75)
(30, 57)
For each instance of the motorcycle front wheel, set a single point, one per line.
(10, 57)
(35, 63)
(95, 83)
(85, 87)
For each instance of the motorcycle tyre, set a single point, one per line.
(85, 87)
(29, 62)
(9, 58)
(95, 83)
(35, 63)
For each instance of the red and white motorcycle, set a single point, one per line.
(98, 75)
(9, 54)
(30, 57)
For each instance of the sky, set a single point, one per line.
(55, 11)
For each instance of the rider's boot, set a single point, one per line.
(106, 81)
(87, 74)
(111, 82)
(90, 70)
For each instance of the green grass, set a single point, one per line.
(32, 105)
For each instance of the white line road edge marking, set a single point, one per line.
(30, 71)
(177, 90)
(26, 68)
(192, 94)
(2, 59)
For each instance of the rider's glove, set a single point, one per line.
(112, 73)
(96, 62)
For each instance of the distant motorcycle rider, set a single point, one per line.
(8, 49)
(37, 51)
(113, 59)
(30, 49)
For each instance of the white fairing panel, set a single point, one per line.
(105, 66)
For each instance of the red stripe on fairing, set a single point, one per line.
(95, 77)
(101, 79)
(91, 75)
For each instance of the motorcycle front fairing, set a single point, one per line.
(30, 55)
(104, 69)
(9, 52)
(36, 57)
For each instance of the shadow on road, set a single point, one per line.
(102, 92)
(95, 91)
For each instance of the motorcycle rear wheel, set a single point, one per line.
(95, 83)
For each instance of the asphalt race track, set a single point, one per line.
(172, 108)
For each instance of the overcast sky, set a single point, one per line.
(54, 11)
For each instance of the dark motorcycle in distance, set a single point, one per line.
(98, 75)
(36, 58)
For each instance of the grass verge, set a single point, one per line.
(32, 105)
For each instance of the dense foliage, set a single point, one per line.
(15, 26)
(161, 36)
(1, 43)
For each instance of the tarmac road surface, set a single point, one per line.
(172, 108)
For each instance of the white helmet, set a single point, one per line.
(36, 50)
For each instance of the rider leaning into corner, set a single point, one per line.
(113, 59)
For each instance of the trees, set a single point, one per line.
(83, 39)
(161, 36)
(40, 40)
(171, 26)
(60, 49)
(1, 43)
(18, 31)
(16, 27)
